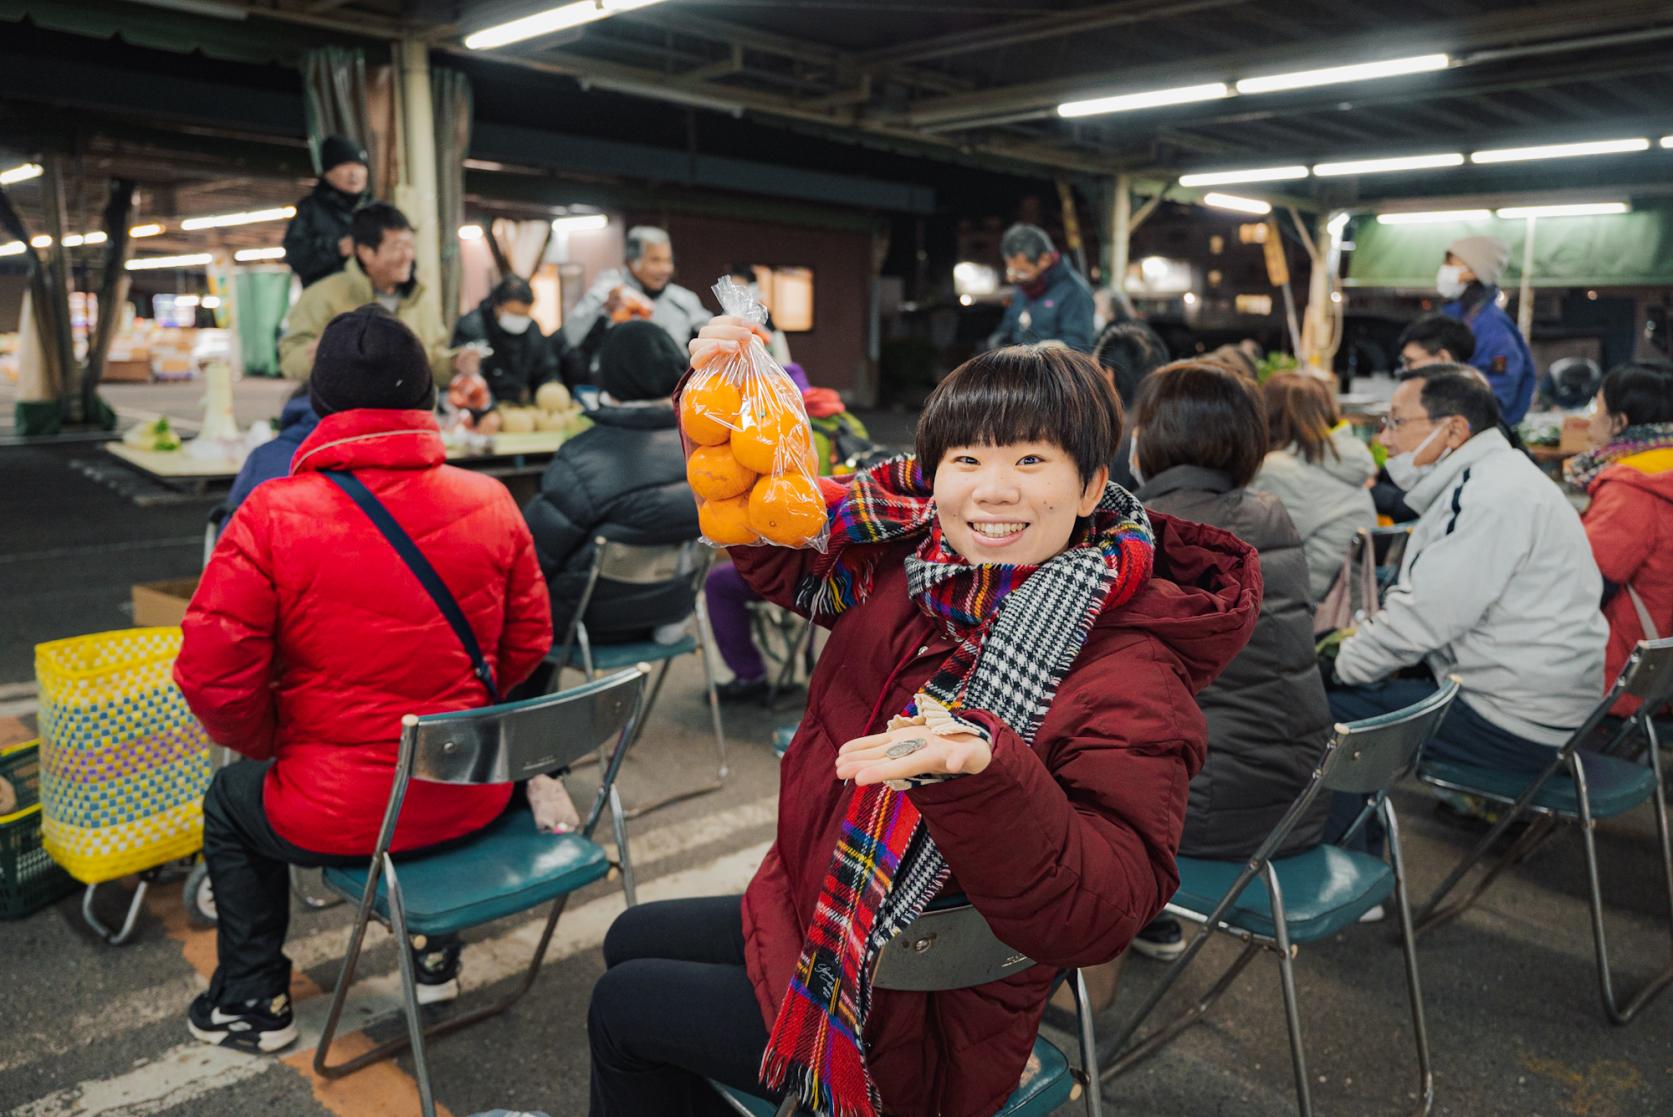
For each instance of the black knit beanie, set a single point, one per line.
(367, 358)
(639, 361)
(337, 150)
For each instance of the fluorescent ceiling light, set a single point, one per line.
(1253, 174)
(1560, 151)
(470, 232)
(251, 217)
(1123, 102)
(1332, 75)
(40, 241)
(21, 173)
(1667, 141)
(140, 231)
(210, 302)
(246, 255)
(1579, 209)
(580, 223)
(1234, 202)
(11, 248)
(1394, 163)
(1430, 217)
(560, 18)
(191, 260)
(77, 240)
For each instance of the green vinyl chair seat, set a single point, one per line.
(611, 657)
(1615, 785)
(1045, 1085)
(507, 868)
(1324, 889)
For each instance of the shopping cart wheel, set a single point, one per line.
(199, 896)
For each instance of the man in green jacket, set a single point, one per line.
(381, 271)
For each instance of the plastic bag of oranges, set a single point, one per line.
(750, 457)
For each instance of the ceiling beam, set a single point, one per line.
(1509, 31)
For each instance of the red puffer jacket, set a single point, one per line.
(1630, 526)
(1067, 848)
(308, 639)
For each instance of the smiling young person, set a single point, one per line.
(1004, 710)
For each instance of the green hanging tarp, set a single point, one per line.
(1619, 250)
(262, 300)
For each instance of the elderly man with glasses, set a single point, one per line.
(1497, 586)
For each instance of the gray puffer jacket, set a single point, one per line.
(1267, 716)
(1327, 500)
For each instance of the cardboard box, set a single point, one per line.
(162, 604)
(1576, 435)
(132, 371)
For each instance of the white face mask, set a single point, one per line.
(515, 323)
(1403, 470)
(1449, 281)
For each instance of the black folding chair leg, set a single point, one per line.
(1618, 1014)
(1408, 944)
(1121, 1059)
(1286, 980)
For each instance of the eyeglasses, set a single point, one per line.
(1390, 423)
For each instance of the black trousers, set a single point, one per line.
(674, 1007)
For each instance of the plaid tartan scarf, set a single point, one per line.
(1582, 469)
(1019, 629)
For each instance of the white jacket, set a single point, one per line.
(1327, 500)
(1498, 586)
(677, 309)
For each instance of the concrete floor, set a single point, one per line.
(95, 1031)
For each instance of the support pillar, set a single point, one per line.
(418, 192)
(1121, 232)
(1525, 294)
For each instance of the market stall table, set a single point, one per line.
(509, 457)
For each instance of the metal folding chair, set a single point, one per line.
(1567, 792)
(786, 641)
(951, 946)
(685, 564)
(1308, 896)
(509, 867)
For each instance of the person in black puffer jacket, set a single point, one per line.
(523, 358)
(317, 239)
(623, 479)
(1199, 436)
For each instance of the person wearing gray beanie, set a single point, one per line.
(1469, 278)
(367, 358)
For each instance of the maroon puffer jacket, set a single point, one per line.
(1067, 848)
(308, 639)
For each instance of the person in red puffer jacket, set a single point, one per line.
(308, 640)
(1629, 474)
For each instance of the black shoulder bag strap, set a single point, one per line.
(422, 570)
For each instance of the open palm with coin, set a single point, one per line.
(911, 750)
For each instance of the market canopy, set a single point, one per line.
(1618, 250)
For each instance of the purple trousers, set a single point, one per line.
(728, 599)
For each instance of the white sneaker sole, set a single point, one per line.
(264, 1042)
(438, 994)
(1161, 953)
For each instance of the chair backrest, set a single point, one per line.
(1648, 674)
(639, 564)
(946, 948)
(516, 740)
(1369, 756)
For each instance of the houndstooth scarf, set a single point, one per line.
(1019, 630)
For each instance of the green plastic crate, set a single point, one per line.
(29, 879)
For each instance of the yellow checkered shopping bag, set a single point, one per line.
(124, 764)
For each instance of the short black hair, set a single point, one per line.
(1131, 351)
(513, 289)
(374, 219)
(1023, 393)
(1435, 332)
(1640, 391)
(1459, 390)
(1201, 413)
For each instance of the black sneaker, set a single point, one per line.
(259, 1027)
(435, 969)
(743, 690)
(1162, 938)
